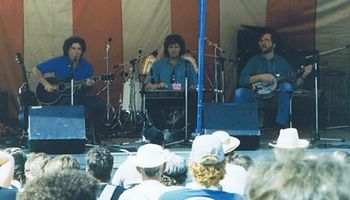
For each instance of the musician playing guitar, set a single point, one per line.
(71, 65)
(261, 74)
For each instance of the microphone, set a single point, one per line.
(108, 44)
(155, 53)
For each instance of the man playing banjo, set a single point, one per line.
(269, 76)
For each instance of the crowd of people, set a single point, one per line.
(213, 170)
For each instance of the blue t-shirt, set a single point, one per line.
(61, 67)
(259, 64)
(163, 71)
(190, 193)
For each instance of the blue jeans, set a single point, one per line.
(282, 98)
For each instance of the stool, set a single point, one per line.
(336, 96)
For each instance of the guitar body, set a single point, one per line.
(26, 98)
(63, 89)
(49, 98)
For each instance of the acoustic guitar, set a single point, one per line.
(63, 88)
(25, 97)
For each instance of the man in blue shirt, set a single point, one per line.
(169, 73)
(71, 65)
(259, 78)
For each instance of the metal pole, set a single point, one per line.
(202, 5)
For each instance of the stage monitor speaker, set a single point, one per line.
(3, 107)
(56, 129)
(239, 120)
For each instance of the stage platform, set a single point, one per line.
(122, 145)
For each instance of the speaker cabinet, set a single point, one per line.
(3, 107)
(56, 129)
(239, 120)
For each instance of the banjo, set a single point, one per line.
(264, 90)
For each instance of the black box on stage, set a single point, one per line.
(239, 120)
(3, 107)
(56, 129)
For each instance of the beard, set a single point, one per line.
(266, 50)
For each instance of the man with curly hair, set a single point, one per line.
(207, 167)
(67, 184)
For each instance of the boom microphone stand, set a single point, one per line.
(186, 138)
(316, 136)
(217, 63)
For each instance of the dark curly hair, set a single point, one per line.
(174, 39)
(71, 40)
(100, 163)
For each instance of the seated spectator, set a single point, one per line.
(126, 175)
(99, 164)
(316, 177)
(342, 156)
(235, 178)
(150, 162)
(35, 164)
(63, 185)
(242, 160)
(20, 158)
(289, 146)
(62, 162)
(175, 173)
(7, 164)
(207, 166)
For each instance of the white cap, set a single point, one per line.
(150, 155)
(289, 139)
(207, 149)
(229, 143)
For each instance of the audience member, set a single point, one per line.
(62, 162)
(99, 164)
(235, 178)
(150, 162)
(20, 158)
(63, 185)
(289, 146)
(126, 175)
(316, 177)
(342, 156)
(7, 164)
(175, 173)
(207, 166)
(242, 160)
(35, 164)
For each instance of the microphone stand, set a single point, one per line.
(186, 138)
(316, 137)
(217, 63)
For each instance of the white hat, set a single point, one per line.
(150, 155)
(229, 143)
(207, 146)
(289, 139)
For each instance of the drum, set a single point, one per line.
(132, 100)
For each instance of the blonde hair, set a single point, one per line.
(208, 175)
(62, 162)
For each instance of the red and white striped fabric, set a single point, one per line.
(38, 28)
